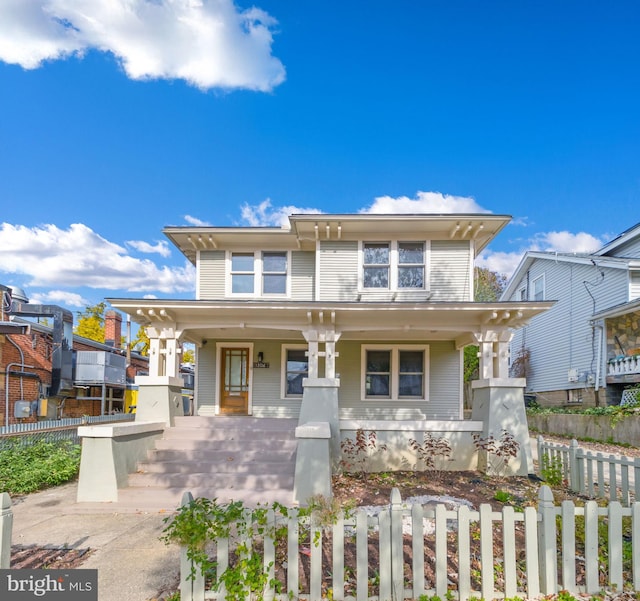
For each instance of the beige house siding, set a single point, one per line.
(445, 398)
(444, 388)
(267, 399)
(451, 263)
(206, 378)
(211, 277)
(303, 266)
(338, 271)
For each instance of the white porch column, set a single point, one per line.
(328, 338)
(164, 350)
(160, 393)
(494, 353)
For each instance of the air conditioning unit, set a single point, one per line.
(572, 375)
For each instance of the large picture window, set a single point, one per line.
(394, 372)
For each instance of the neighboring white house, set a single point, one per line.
(356, 321)
(583, 350)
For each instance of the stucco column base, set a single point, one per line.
(313, 468)
(110, 452)
(159, 399)
(499, 404)
(320, 404)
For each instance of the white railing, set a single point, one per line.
(623, 365)
(404, 552)
(53, 424)
(595, 475)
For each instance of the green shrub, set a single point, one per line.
(27, 468)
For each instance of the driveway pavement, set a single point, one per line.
(133, 564)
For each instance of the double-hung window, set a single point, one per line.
(393, 265)
(411, 265)
(295, 364)
(538, 288)
(395, 372)
(376, 258)
(242, 273)
(258, 273)
(274, 273)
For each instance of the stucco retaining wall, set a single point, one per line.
(625, 430)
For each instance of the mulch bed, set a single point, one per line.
(33, 557)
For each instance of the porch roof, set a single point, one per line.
(305, 230)
(199, 320)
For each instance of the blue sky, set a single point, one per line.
(119, 117)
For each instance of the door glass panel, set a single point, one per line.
(236, 381)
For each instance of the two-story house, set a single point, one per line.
(586, 349)
(352, 321)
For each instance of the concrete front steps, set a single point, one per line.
(227, 458)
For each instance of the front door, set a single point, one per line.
(234, 381)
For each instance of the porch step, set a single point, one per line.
(230, 444)
(226, 458)
(255, 482)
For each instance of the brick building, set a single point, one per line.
(30, 387)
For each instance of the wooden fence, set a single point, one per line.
(404, 552)
(594, 475)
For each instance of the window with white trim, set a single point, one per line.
(393, 265)
(242, 273)
(376, 258)
(521, 295)
(258, 273)
(274, 273)
(295, 368)
(395, 372)
(538, 288)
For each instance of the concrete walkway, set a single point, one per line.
(133, 564)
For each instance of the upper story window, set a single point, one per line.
(255, 273)
(521, 295)
(242, 273)
(411, 265)
(274, 272)
(538, 288)
(376, 265)
(393, 265)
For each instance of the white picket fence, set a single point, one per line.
(594, 475)
(404, 552)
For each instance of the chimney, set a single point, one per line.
(113, 329)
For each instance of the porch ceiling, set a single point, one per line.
(201, 320)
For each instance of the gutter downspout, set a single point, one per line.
(6, 392)
(596, 384)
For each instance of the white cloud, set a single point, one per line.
(59, 297)
(162, 248)
(264, 214)
(424, 202)
(500, 262)
(79, 257)
(207, 43)
(565, 242)
(195, 221)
